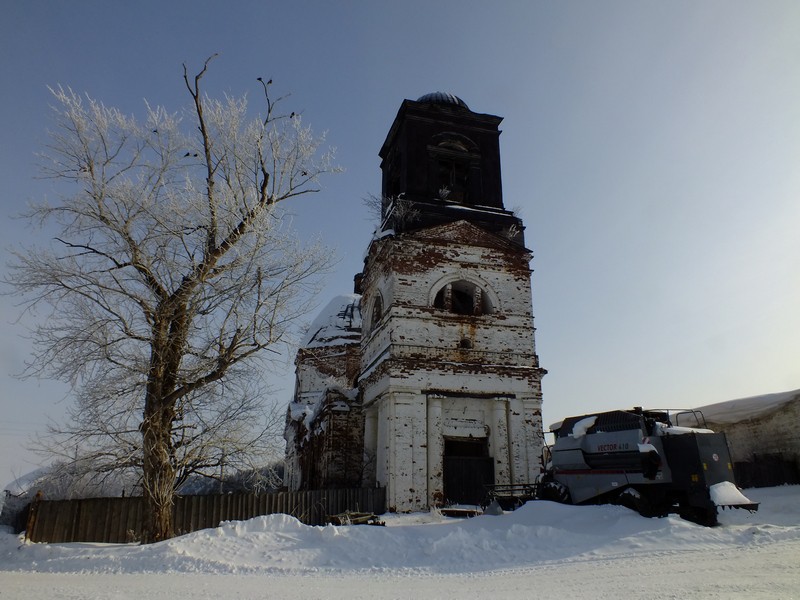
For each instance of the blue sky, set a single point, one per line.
(651, 148)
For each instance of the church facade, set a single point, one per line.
(446, 398)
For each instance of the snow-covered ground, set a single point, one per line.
(542, 550)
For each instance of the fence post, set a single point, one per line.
(33, 508)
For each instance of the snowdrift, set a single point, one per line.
(539, 533)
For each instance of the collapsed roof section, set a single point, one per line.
(337, 324)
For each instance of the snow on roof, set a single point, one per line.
(21, 485)
(734, 411)
(306, 411)
(377, 234)
(581, 427)
(338, 323)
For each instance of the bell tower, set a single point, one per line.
(441, 163)
(450, 381)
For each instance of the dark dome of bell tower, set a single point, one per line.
(442, 98)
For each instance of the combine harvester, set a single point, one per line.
(639, 459)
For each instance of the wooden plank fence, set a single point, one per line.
(119, 520)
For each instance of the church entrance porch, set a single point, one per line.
(468, 469)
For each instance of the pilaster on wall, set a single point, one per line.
(500, 442)
(533, 437)
(405, 451)
(370, 445)
(518, 451)
(435, 453)
(383, 447)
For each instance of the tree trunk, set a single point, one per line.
(158, 473)
(158, 477)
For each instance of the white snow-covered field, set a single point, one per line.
(542, 550)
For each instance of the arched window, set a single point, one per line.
(377, 311)
(454, 159)
(463, 298)
(453, 177)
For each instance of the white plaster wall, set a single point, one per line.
(404, 447)
(412, 426)
(371, 431)
(413, 449)
(507, 334)
(774, 433)
(419, 377)
(384, 450)
(311, 383)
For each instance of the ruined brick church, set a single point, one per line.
(426, 380)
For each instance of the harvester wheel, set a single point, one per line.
(651, 507)
(556, 492)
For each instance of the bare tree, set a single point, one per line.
(172, 280)
(391, 211)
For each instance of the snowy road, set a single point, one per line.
(752, 572)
